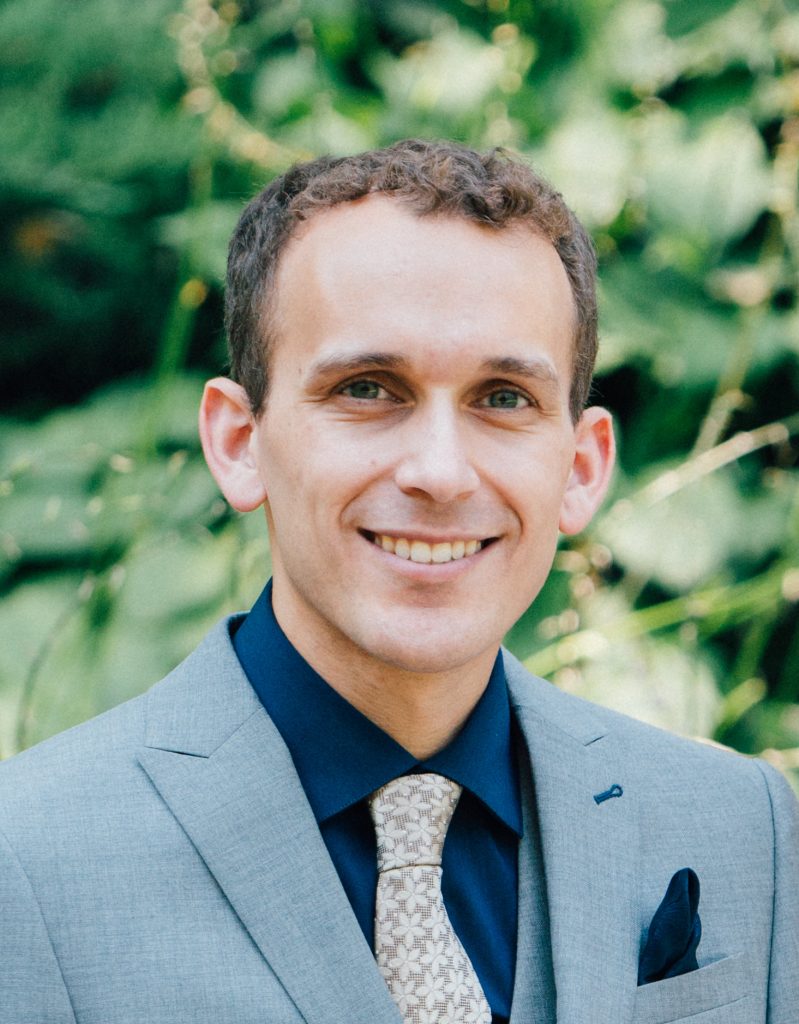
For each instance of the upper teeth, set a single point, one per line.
(421, 551)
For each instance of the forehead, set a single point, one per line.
(384, 229)
(378, 267)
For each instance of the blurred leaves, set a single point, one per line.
(115, 558)
(133, 137)
(204, 233)
(682, 175)
(687, 540)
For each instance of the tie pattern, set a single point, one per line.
(421, 958)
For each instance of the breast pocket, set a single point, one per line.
(715, 994)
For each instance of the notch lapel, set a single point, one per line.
(590, 851)
(220, 765)
(533, 988)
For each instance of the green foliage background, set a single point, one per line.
(134, 133)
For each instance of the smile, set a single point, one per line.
(424, 553)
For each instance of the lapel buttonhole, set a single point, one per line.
(615, 790)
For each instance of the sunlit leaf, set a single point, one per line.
(203, 234)
(690, 537)
(451, 73)
(590, 158)
(709, 187)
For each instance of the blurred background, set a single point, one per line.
(133, 134)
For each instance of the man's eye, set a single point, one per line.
(506, 398)
(365, 389)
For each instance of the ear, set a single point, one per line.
(594, 457)
(229, 439)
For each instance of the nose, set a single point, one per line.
(437, 462)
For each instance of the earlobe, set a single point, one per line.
(594, 458)
(228, 435)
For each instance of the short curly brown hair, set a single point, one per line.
(430, 177)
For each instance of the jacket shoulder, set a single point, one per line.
(99, 756)
(651, 749)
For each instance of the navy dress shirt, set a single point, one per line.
(342, 757)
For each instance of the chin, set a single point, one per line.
(426, 662)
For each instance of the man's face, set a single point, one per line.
(416, 443)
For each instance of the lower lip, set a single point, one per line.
(438, 572)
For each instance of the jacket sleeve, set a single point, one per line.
(32, 989)
(783, 995)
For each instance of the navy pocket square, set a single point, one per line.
(674, 933)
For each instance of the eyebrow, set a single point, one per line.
(357, 361)
(534, 368)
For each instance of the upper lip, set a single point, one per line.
(428, 537)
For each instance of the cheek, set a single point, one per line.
(307, 489)
(280, 466)
(532, 485)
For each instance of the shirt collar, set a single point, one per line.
(341, 756)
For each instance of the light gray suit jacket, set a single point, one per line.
(161, 865)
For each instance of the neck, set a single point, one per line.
(422, 711)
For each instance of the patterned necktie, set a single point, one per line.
(426, 968)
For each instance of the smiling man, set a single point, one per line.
(350, 805)
(418, 415)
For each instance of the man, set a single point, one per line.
(259, 838)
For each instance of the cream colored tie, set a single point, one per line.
(426, 968)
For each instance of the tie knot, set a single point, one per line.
(411, 817)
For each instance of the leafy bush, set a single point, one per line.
(133, 136)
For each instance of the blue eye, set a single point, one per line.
(505, 398)
(364, 389)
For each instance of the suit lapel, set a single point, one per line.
(533, 988)
(590, 852)
(220, 765)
